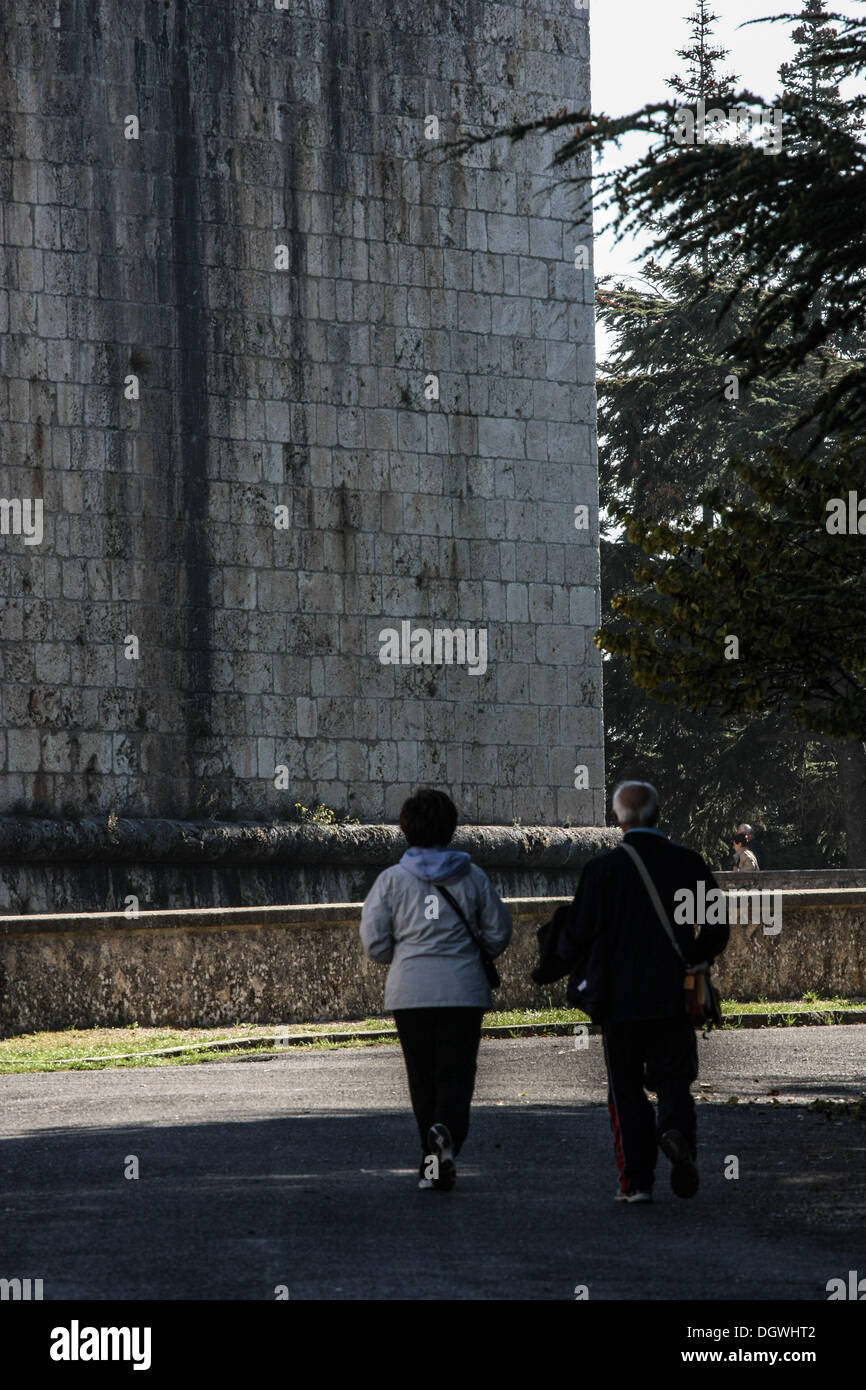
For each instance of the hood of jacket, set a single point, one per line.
(432, 865)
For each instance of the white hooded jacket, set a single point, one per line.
(405, 921)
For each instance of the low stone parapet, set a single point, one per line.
(304, 963)
(97, 863)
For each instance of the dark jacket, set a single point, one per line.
(621, 963)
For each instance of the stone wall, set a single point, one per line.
(303, 964)
(98, 866)
(283, 378)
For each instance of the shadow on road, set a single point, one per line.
(325, 1204)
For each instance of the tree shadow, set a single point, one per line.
(324, 1205)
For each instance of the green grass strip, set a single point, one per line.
(134, 1046)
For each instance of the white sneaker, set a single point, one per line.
(633, 1197)
(439, 1143)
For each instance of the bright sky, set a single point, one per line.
(633, 46)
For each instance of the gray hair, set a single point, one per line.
(635, 802)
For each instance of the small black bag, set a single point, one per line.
(588, 991)
(486, 959)
(550, 965)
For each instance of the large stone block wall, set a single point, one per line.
(232, 261)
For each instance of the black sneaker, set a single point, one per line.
(684, 1172)
(440, 1145)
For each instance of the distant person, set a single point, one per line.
(628, 975)
(751, 842)
(744, 858)
(437, 988)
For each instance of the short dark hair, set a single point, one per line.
(739, 840)
(428, 818)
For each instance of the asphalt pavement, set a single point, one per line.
(295, 1176)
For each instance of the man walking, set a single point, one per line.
(627, 974)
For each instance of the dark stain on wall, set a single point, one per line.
(190, 442)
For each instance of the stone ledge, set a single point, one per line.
(228, 918)
(172, 841)
(336, 914)
(792, 878)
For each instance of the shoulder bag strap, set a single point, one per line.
(654, 897)
(460, 913)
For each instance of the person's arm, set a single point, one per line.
(494, 922)
(377, 923)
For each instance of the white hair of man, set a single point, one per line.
(636, 803)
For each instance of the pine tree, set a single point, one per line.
(671, 407)
(666, 437)
(808, 75)
(703, 81)
(767, 567)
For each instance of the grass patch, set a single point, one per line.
(94, 1049)
(808, 1004)
(75, 1048)
(514, 1017)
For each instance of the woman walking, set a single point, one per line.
(429, 916)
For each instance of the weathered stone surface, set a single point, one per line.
(241, 308)
(821, 947)
(302, 964)
(93, 865)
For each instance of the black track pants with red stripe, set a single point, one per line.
(661, 1055)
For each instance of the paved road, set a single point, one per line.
(298, 1171)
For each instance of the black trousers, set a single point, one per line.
(660, 1054)
(440, 1048)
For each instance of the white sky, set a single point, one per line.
(633, 48)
